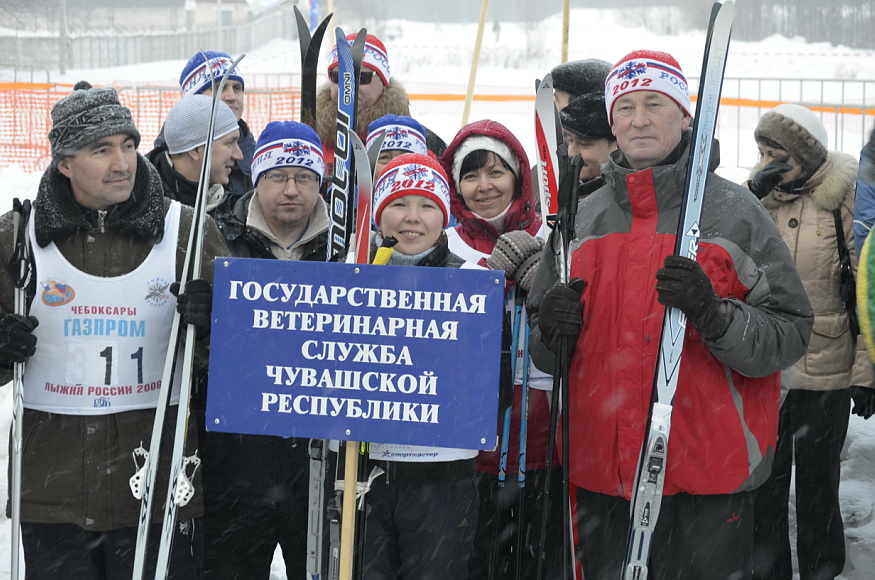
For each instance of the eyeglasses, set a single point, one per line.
(302, 180)
(365, 77)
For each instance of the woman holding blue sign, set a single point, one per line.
(494, 201)
(423, 510)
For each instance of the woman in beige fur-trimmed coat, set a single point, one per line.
(801, 184)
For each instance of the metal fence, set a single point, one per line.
(846, 107)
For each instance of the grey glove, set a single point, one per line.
(769, 177)
(518, 254)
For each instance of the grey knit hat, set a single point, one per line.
(796, 130)
(579, 77)
(86, 115)
(188, 122)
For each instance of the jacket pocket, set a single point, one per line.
(830, 350)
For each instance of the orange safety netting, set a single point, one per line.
(25, 116)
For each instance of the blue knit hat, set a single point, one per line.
(287, 144)
(400, 133)
(196, 78)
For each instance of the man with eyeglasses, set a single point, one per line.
(256, 487)
(379, 95)
(185, 134)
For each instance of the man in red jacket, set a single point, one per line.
(748, 318)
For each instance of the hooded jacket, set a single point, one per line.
(75, 468)
(521, 215)
(725, 419)
(474, 239)
(806, 221)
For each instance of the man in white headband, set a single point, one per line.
(748, 317)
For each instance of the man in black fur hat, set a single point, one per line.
(585, 127)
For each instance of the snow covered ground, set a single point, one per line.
(432, 59)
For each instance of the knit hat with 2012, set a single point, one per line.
(796, 130)
(86, 115)
(375, 58)
(399, 134)
(287, 144)
(196, 77)
(412, 174)
(647, 70)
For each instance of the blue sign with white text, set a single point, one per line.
(386, 354)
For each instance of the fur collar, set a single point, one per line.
(393, 101)
(58, 216)
(827, 187)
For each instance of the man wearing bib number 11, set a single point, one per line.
(106, 247)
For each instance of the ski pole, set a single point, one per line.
(505, 427)
(559, 240)
(179, 488)
(521, 476)
(21, 212)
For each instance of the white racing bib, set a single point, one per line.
(101, 342)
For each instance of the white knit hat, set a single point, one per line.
(486, 143)
(188, 123)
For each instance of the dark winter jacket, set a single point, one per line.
(458, 464)
(724, 425)
(261, 470)
(76, 468)
(183, 190)
(248, 242)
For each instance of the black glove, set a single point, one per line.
(864, 401)
(195, 305)
(561, 313)
(518, 254)
(683, 284)
(17, 341)
(769, 176)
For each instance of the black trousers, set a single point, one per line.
(811, 434)
(53, 551)
(501, 523)
(696, 536)
(240, 540)
(419, 531)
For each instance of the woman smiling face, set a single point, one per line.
(488, 189)
(415, 221)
